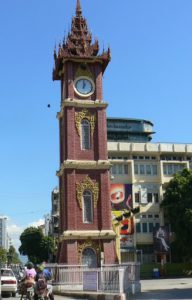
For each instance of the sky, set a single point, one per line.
(149, 77)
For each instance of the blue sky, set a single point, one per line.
(149, 77)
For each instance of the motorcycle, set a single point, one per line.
(26, 290)
(41, 291)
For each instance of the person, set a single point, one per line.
(28, 279)
(30, 271)
(43, 277)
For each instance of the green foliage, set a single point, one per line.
(170, 270)
(3, 256)
(177, 205)
(35, 245)
(13, 256)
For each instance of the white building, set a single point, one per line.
(4, 240)
(144, 168)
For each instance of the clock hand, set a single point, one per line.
(84, 84)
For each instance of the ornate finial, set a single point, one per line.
(109, 52)
(55, 52)
(78, 9)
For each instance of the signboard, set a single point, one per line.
(161, 239)
(90, 281)
(143, 192)
(126, 242)
(121, 196)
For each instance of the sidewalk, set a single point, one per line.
(164, 284)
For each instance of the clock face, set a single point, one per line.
(84, 86)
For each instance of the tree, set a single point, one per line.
(177, 205)
(3, 256)
(35, 245)
(13, 256)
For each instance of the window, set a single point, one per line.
(138, 227)
(85, 135)
(145, 169)
(144, 196)
(154, 169)
(137, 198)
(147, 223)
(150, 227)
(149, 197)
(170, 169)
(156, 197)
(141, 169)
(89, 258)
(136, 169)
(148, 170)
(87, 207)
(144, 227)
(120, 169)
(125, 169)
(113, 170)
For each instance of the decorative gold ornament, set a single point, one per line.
(84, 114)
(88, 244)
(87, 184)
(84, 71)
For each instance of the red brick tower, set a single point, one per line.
(86, 233)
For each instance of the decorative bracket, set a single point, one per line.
(84, 71)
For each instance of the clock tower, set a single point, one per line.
(86, 235)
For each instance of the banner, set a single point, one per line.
(161, 239)
(121, 196)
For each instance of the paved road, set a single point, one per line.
(156, 289)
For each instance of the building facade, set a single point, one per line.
(55, 212)
(4, 240)
(86, 234)
(146, 168)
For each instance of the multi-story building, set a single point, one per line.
(55, 208)
(143, 169)
(4, 240)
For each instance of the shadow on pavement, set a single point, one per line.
(168, 294)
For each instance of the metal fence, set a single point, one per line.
(108, 278)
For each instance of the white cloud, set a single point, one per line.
(37, 223)
(14, 231)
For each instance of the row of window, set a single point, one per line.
(180, 158)
(135, 157)
(145, 198)
(119, 169)
(146, 223)
(140, 157)
(170, 169)
(147, 227)
(147, 169)
(140, 169)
